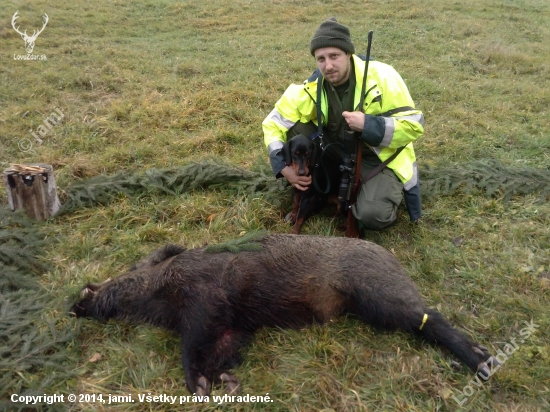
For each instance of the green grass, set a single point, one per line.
(159, 84)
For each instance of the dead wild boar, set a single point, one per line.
(215, 298)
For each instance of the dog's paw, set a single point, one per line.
(290, 218)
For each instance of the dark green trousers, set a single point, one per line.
(378, 198)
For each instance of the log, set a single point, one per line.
(32, 187)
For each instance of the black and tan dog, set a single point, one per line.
(302, 154)
(215, 298)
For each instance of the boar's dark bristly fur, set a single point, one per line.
(216, 301)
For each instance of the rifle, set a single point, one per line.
(352, 225)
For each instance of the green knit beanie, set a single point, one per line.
(332, 34)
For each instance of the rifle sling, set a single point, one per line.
(396, 110)
(380, 167)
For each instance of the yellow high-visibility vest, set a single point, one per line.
(386, 91)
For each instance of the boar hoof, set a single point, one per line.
(203, 386)
(478, 351)
(488, 367)
(484, 369)
(232, 385)
(482, 352)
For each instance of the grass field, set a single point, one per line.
(160, 84)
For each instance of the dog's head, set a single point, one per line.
(299, 152)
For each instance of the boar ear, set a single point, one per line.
(80, 309)
(167, 252)
(158, 256)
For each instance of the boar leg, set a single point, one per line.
(437, 329)
(206, 359)
(405, 311)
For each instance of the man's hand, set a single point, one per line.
(299, 182)
(355, 120)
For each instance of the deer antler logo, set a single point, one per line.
(29, 40)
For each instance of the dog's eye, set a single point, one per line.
(297, 153)
(307, 154)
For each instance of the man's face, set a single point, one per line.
(334, 64)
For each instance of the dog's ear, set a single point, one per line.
(286, 153)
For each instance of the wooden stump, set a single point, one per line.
(32, 187)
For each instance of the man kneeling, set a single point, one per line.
(387, 123)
